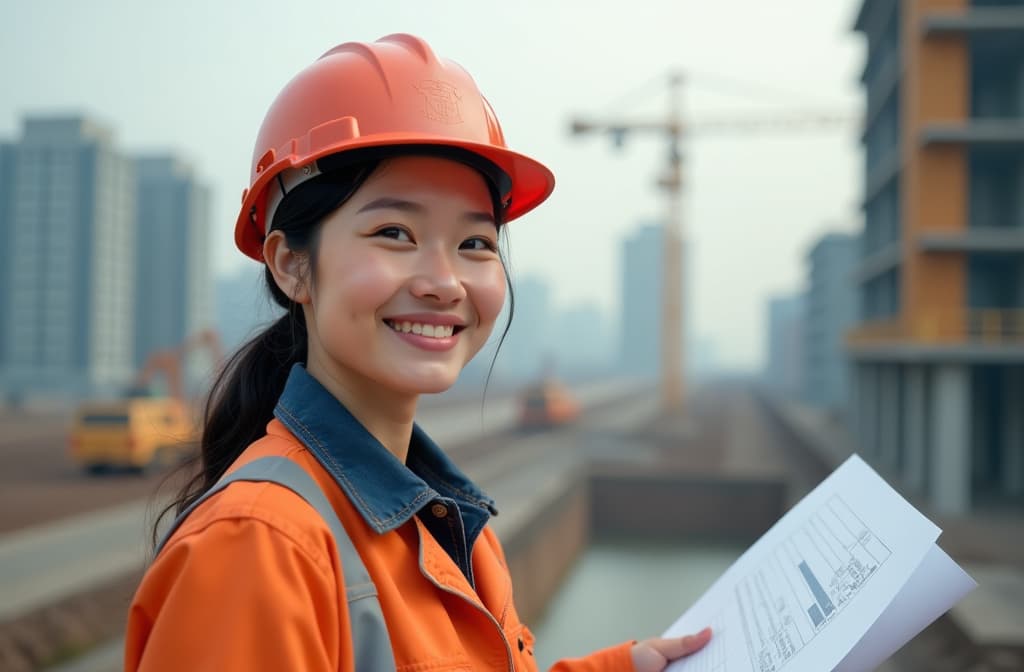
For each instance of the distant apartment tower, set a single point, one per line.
(939, 348)
(244, 306)
(831, 309)
(785, 352)
(526, 352)
(174, 283)
(640, 326)
(68, 308)
(580, 339)
(6, 191)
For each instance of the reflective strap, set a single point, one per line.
(370, 642)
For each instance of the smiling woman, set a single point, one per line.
(379, 186)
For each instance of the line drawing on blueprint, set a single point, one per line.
(805, 582)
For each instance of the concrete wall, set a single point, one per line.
(664, 502)
(542, 549)
(630, 501)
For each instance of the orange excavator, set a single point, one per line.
(171, 361)
(144, 431)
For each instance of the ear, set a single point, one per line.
(288, 267)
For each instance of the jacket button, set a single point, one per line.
(439, 510)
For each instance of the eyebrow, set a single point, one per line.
(411, 207)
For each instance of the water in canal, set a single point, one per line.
(621, 590)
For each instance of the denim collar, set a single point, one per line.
(386, 492)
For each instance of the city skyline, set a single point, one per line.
(109, 262)
(771, 192)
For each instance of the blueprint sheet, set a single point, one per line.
(840, 582)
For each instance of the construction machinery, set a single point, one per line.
(143, 430)
(545, 404)
(675, 130)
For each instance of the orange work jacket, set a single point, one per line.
(252, 581)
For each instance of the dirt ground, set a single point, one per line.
(39, 483)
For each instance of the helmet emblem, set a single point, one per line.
(440, 101)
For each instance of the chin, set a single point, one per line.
(435, 388)
(425, 383)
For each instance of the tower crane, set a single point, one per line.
(674, 129)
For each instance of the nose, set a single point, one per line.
(437, 278)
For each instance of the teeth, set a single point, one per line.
(429, 330)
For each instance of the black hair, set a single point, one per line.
(244, 393)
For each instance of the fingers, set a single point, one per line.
(677, 647)
(652, 655)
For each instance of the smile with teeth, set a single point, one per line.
(429, 330)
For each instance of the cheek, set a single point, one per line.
(487, 292)
(360, 283)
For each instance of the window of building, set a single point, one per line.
(997, 76)
(994, 195)
(995, 281)
(880, 296)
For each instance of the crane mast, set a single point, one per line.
(673, 129)
(671, 180)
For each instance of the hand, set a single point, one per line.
(653, 655)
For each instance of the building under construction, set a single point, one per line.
(938, 353)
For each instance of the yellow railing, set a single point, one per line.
(876, 331)
(995, 326)
(977, 325)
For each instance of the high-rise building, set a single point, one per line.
(174, 284)
(69, 311)
(244, 306)
(939, 348)
(6, 191)
(640, 324)
(783, 371)
(526, 352)
(581, 342)
(831, 310)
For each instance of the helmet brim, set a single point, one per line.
(532, 181)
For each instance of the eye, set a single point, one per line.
(478, 244)
(394, 233)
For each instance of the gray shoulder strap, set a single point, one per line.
(371, 645)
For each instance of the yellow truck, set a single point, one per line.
(140, 431)
(136, 433)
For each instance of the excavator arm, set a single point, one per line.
(170, 362)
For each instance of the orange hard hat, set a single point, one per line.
(383, 98)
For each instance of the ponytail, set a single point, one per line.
(240, 404)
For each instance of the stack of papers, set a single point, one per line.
(843, 580)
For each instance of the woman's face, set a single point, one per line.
(408, 280)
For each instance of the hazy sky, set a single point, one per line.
(196, 78)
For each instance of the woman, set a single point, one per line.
(380, 183)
